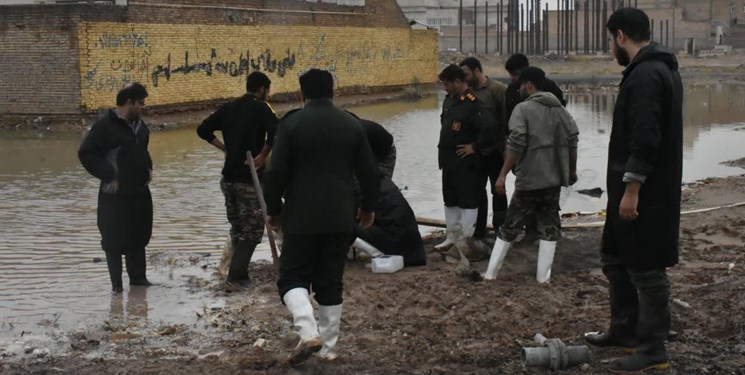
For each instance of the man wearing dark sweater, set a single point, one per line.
(514, 65)
(247, 124)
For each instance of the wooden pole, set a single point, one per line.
(262, 204)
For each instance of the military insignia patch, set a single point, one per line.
(456, 126)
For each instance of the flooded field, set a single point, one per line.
(49, 239)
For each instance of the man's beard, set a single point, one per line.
(523, 94)
(622, 56)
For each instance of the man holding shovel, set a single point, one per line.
(247, 124)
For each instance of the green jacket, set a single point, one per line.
(542, 132)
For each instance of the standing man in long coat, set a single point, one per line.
(317, 153)
(640, 239)
(115, 152)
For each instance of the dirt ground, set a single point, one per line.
(429, 320)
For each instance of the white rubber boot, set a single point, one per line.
(329, 318)
(367, 248)
(452, 222)
(298, 302)
(468, 221)
(497, 258)
(546, 252)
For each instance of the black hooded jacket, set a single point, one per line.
(647, 140)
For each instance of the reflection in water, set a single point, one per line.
(48, 236)
(136, 307)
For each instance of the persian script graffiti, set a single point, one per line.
(241, 66)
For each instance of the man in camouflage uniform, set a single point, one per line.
(542, 148)
(247, 124)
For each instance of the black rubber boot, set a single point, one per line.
(137, 268)
(654, 324)
(114, 263)
(624, 309)
(238, 273)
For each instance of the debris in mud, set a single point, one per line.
(51, 322)
(124, 336)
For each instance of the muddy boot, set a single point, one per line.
(497, 258)
(452, 222)
(298, 302)
(136, 268)
(114, 263)
(238, 273)
(624, 309)
(329, 319)
(653, 326)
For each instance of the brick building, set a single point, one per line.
(68, 59)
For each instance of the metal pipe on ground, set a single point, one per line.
(554, 354)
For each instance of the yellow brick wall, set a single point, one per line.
(113, 55)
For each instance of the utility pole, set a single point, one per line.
(486, 27)
(460, 26)
(475, 28)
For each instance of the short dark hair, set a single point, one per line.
(133, 92)
(317, 83)
(257, 80)
(534, 75)
(633, 22)
(516, 63)
(472, 63)
(451, 73)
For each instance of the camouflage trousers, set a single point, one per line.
(542, 204)
(244, 211)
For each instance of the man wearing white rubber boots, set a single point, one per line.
(466, 128)
(317, 152)
(542, 149)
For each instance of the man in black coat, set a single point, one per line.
(247, 124)
(466, 128)
(317, 153)
(381, 143)
(640, 239)
(115, 152)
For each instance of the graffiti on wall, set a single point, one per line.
(243, 65)
(186, 63)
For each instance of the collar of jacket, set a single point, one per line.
(640, 56)
(486, 84)
(114, 115)
(320, 102)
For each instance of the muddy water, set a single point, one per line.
(49, 239)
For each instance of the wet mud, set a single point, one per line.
(429, 320)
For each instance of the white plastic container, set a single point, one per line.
(387, 264)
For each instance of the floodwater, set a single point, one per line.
(49, 239)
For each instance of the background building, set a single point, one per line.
(573, 26)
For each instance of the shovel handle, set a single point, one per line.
(262, 204)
